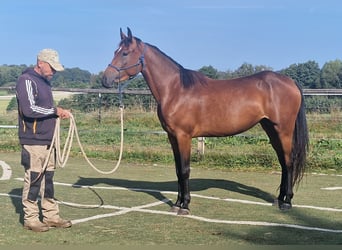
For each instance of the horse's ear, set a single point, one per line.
(123, 36)
(129, 33)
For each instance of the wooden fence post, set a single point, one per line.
(200, 146)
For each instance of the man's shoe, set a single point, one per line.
(58, 223)
(36, 226)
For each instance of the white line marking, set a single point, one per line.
(232, 222)
(261, 223)
(320, 174)
(332, 188)
(123, 210)
(142, 208)
(10, 195)
(6, 171)
(250, 223)
(319, 208)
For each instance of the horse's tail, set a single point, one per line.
(300, 145)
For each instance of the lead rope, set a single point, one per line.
(63, 155)
(62, 158)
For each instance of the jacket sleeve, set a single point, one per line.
(27, 104)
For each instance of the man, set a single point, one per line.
(37, 118)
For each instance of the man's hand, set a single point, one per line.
(63, 113)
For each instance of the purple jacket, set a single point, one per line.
(36, 111)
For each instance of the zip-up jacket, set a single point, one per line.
(36, 111)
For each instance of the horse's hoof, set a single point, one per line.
(285, 206)
(174, 209)
(183, 211)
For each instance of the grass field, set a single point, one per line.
(131, 207)
(4, 100)
(233, 188)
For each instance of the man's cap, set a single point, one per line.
(51, 57)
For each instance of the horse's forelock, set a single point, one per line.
(127, 41)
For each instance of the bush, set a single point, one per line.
(13, 105)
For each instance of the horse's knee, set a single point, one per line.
(185, 173)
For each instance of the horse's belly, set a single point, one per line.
(225, 127)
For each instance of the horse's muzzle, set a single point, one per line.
(108, 82)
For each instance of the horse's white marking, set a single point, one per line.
(118, 50)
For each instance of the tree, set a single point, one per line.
(331, 74)
(209, 71)
(10, 73)
(72, 78)
(306, 74)
(246, 69)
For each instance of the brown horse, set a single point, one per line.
(193, 105)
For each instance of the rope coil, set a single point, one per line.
(63, 155)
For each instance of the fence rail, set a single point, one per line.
(335, 92)
(308, 92)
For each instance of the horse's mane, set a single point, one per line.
(188, 77)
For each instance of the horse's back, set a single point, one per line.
(270, 86)
(267, 86)
(266, 79)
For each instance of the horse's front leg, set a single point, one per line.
(177, 205)
(181, 151)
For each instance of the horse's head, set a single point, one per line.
(128, 60)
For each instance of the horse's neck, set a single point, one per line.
(160, 74)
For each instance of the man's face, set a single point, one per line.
(46, 70)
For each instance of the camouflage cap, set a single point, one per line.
(51, 57)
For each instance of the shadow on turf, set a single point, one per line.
(196, 184)
(14, 194)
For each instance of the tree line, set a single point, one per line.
(308, 75)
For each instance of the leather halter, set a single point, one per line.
(141, 61)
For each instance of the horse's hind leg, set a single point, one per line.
(286, 185)
(282, 144)
(286, 191)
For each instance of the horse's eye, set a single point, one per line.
(125, 53)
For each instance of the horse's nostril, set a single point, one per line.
(106, 82)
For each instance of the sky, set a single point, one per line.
(223, 34)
